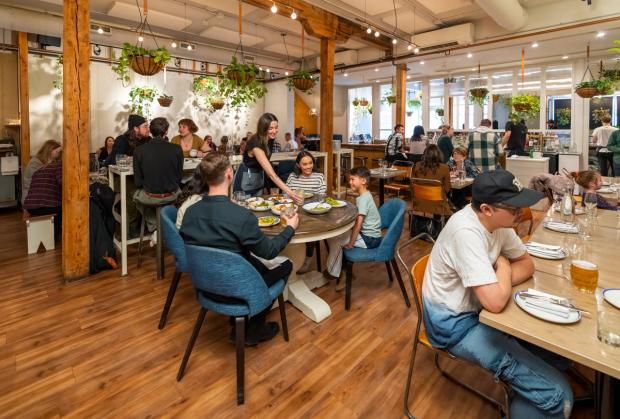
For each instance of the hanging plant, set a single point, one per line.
(57, 83)
(369, 109)
(439, 111)
(562, 116)
(240, 73)
(587, 89)
(389, 98)
(209, 89)
(302, 80)
(478, 95)
(525, 106)
(146, 62)
(217, 103)
(141, 98)
(449, 80)
(355, 102)
(598, 114)
(363, 102)
(165, 100)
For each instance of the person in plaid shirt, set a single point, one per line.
(484, 147)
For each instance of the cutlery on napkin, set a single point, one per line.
(549, 303)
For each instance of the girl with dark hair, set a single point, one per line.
(432, 167)
(418, 143)
(250, 177)
(104, 152)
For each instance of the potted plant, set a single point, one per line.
(142, 61)
(525, 106)
(363, 102)
(562, 116)
(240, 73)
(240, 95)
(414, 103)
(612, 75)
(439, 111)
(355, 102)
(369, 108)
(389, 98)
(209, 88)
(57, 83)
(605, 86)
(140, 98)
(478, 95)
(302, 80)
(587, 89)
(165, 100)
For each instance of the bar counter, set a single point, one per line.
(371, 151)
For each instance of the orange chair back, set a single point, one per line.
(407, 168)
(526, 215)
(417, 273)
(427, 192)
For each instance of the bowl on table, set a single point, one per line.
(268, 221)
(260, 205)
(317, 207)
(335, 203)
(278, 208)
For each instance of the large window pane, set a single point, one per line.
(599, 106)
(558, 80)
(385, 112)
(436, 102)
(559, 110)
(530, 84)
(360, 119)
(458, 112)
(413, 116)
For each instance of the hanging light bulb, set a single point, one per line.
(100, 30)
(286, 73)
(189, 47)
(274, 8)
(409, 47)
(140, 38)
(416, 50)
(268, 70)
(174, 44)
(377, 34)
(293, 15)
(369, 30)
(346, 74)
(394, 41)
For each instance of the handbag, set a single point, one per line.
(420, 224)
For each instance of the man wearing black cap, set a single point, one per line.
(474, 264)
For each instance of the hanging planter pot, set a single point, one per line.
(165, 100)
(586, 92)
(145, 65)
(409, 113)
(217, 103)
(479, 92)
(522, 107)
(363, 102)
(355, 102)
(439, 111)
(240, 73)
(303, 84)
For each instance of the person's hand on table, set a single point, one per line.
(298, 199)
(292, 221)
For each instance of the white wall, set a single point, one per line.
(110, 105)
(280, 102)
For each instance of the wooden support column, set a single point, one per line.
(24, 98)
(76, 138)
(328, 52)
(401, 93)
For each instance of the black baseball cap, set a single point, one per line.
(500, 186)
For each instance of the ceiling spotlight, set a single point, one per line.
(470, 55)
(286, 73)
(100, 30)
(268, 70)
(535, 44)
(376, 69)
(369, 30)
(189, 47)
(293, 15)
(394, 41)
(564, 57)
(260, 68)
(377, 34)
(346, 74)
(140, 38)
(600, 34)
(408, 77)
(274, 8)
(174, 44)
(416, 50)
(409, 47)
(422, 62)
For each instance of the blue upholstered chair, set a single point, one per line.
(229, 275)
(174, 243)
(392, 217)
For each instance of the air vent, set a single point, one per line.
(249, 59)
(188, 46)
(100, 29)
(440, 46)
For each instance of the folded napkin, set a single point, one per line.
(547, 307)
(543, 246)
(561, 226)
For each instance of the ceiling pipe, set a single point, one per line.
(509, 14)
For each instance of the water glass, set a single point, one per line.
(122, 162)
(590, 200)
(607, 321)
(320, 196)
(193, 152)
(573, 246)
(300, 194)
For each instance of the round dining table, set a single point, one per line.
(312, 228)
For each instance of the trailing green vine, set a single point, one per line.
(160, 55)
(141, 98)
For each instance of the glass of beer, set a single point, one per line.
(287, 212)
(584, 275)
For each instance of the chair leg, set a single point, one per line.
(283, 317)
(171, 291)
(349, 274)
(317, 249)
(240, 343)
(399, 278)
(389, 271)
(161, 269)
(414, 350)
(142, 226)
(192, 341)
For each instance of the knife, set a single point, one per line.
(559, 301)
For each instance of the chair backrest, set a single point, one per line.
(406, 166)
(227, 274)
(417, 273)
(172, 238)
(429, 196)
(392, 217)
(526, 215)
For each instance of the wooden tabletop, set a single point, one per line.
(456, 183)
(387, 174)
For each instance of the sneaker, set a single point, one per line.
(264, 333)
(305, 267)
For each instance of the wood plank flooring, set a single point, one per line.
(92, 349)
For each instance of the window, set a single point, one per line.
(559, 110)
(413, 116)
(385, 112)
(600, 106)
(436, 103)
(530, 84)
(360, 116)
(456, 91)
(501, 92)
(477, 109)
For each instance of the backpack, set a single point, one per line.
(101, 220)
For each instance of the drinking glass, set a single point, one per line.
(300, 194)
(122, 162)
(607, 321)
(287, 212)
(239, 197)
(381, 166)
(590, 200)
(573, 246)
(320, 196)
(461, 176)
(584, 275)
(193, 152)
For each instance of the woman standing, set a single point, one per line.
(105, 151)
(250, 177)
(188, 140)
(418, 143)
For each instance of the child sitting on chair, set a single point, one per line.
(366, 232)
(590, 182)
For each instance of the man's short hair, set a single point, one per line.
(159, 127)
(486, 123)
(606, 119)
(213, 167)
(398, 126)
(361, 172)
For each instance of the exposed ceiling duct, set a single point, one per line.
(509, 14)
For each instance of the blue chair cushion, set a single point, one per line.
(172, 239)
(236, 309)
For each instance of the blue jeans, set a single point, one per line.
(538, 390)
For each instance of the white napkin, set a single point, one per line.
(543, 246)
(562, 227)
(555, 309)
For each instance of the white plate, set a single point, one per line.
(339, 204)
(276, 221)
(605, 190)
(279, 199)
(544, 255)
(260, 205)
(277, 209)
(559, 229)
(312, 205)
(573, 317)
(612, 296)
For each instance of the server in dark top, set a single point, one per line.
(157, 171)
(250, 177)
(216, 222)
(514, 138)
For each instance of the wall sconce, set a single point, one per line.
(313, 112)
(177, 62)
(97, 50)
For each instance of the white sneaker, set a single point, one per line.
(153, 241)
(305, 267)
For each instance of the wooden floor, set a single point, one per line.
(92, 349)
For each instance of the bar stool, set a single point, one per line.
(159, 249)
(362, 160)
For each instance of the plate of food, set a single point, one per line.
(260, 205)
(335, 203)
(278, 208)
(268, 221)
(317, 207)
(280, 199)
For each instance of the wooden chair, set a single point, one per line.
(416, 278)
(427, 196)
(402, 183)
(526, 215)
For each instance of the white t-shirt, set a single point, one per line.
(602, 134)
(463, 257)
